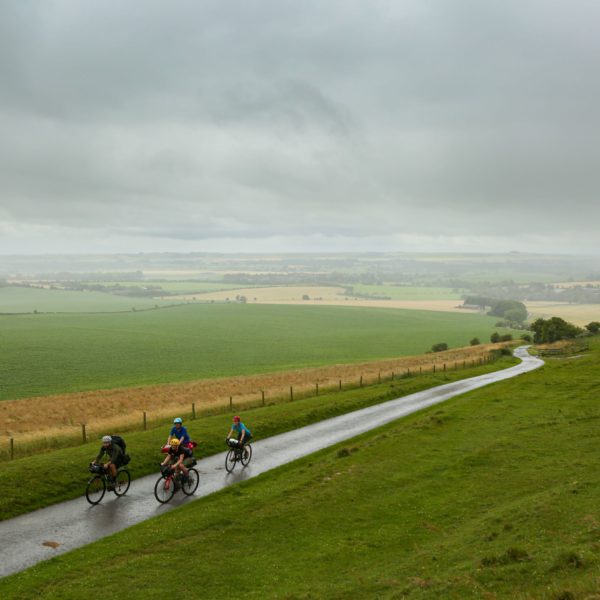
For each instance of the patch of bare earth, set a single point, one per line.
(39, 418)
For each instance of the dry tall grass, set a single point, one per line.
(60, 416)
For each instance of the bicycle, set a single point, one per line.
(168, 483)
(237, 453)
(101, 481)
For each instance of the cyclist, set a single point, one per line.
(178, 431)
(115, 454)
(244, 435)
(179, 456)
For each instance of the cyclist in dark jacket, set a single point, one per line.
(180, 457)
(114, 452)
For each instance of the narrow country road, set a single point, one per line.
(75, 523)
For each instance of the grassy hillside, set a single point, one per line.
(495, 494)
(45, 354)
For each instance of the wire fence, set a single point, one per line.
(82, 433)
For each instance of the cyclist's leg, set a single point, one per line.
(247, 440)
(187, 463)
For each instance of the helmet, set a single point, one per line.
(174, 442)
(236, 419)
(178, 420)
(106, 439)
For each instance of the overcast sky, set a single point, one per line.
(297, 126)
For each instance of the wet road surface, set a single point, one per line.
(75, 523)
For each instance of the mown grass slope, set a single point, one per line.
(46, 354)
(495, 494)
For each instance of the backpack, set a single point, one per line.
(119, 441)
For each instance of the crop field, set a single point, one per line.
(274, 294)
(411, 298)
(50, 354)
(572, 284)
(400, 292)
(15, 299)
(40, 419)
(491, 495)
(580, 314)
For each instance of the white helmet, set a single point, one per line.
(106, 439)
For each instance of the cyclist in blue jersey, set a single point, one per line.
(244, 435)
(178, 431)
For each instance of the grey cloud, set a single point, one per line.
(340, 120)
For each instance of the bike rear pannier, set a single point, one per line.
(117, 439)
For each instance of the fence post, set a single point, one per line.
(464, 363)
(291, 392)
(361, 381)
(145, 422)
(230, 402)
(12, 448)
(392, 375)
(340, 385)
(263, 396)
(434, 368)
(408, 371)
(379, 377)
(420, 370)
(444, 366)
(193, 410)
(83, 436)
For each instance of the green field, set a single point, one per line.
(14, 299)
(397, 292)
(495, 494)
(44, 354)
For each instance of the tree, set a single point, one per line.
(511, 310)
(546, 331)
(516, 315)
(507, 337)
(475, 342)
(495, 337)
(305, 297)
(593, 327)
(440, 347)
(526, 337)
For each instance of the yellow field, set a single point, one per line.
(579, 314)
(275, 294)
(34, 419)
(318, 296)
(571, 284)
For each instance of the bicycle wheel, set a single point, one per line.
(191, 485)
(247, 455)
(122, 482)
(95, 490)
(230, 461)
(164, 489)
